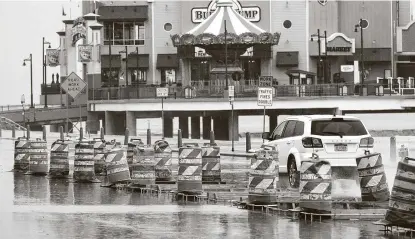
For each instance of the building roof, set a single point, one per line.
(235, 23)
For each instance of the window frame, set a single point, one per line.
(144, 72)
(286, 127)
(299, 121)
(137, 41)
(273, 132)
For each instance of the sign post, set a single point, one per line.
(231, 90)
(72, 85)
(264, 99)
(162, 92)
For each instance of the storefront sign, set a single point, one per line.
(85, 53)
(346, 68)
(52, 57)
(78, 30)
(339, 49)
(252, 14)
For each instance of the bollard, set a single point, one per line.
(38, 161)
(27, 132)
(126, 135)
(179, 138)
(372, 178)
(131, 148)
(315, 185)
(44, 133)
(263, 177)
(99, 156)
(143, 167)
(84, 162)
(59, 158)
(148, 136)
(393, 149)
(81, 133)
(117, 166)
(13, 132)
(21, 155)
(61, 135)
(401, 204)
(211, 170)
(212, 137)
(163, 156)
(248, 141)
(102, 135)
(189, 179)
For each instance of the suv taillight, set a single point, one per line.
(366, 142)
(310, 142)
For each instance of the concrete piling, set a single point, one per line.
(212, 137)
(248, 141)
(179, 138)
(393, 149)
(126, 136)
(27, 132)
(102, 133)
(44, 133)
(148, 136)
(13, 132)
(61, 136)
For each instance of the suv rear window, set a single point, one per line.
(338, 126)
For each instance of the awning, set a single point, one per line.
(123, 13)
(371, 55)
(297, 72)
(221, 70)
(169, 61)
(239, 30)
(143, 60)
(288, 59)
(115, 61)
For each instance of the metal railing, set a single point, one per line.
(248, 91)
(18, 108)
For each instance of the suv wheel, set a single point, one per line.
(293, 174)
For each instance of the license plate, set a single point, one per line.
(340, 147)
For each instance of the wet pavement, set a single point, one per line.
(39, 207)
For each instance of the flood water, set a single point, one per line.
(38, 207)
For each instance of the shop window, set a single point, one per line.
(138, 76)
(109, 78)
(168, 76)
(124, 33)
(252, 70)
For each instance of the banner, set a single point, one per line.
(78, 30)
(52, 57)
(85, 53)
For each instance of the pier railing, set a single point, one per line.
(247, 91)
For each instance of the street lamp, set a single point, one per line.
(362, 66)
(22, 101)
(31, 78)
(226, 57)
(44, 68)
(320, 61)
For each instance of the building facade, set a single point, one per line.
(147, 27)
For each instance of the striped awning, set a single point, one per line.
(238, 30)
(235, 23)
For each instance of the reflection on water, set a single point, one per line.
(40, 207)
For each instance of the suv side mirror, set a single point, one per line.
(265, 135)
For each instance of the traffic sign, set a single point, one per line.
(73, 85)
(231, 90)
(264, 96)
(265, 81)
(162, 92)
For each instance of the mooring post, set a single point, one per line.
(393, 149)
(44, 132)
(212, 137)
(248, 141)
(102, 133)
(61, 135)
(148, 136)
(126, 135)
(179, 138)
(81, 133)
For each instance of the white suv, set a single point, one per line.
(297, 138)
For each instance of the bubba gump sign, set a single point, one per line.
(252, 14)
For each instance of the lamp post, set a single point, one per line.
(31, 78)
(226, 57)
(320, 61)
(362, 66)
(44, 68)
